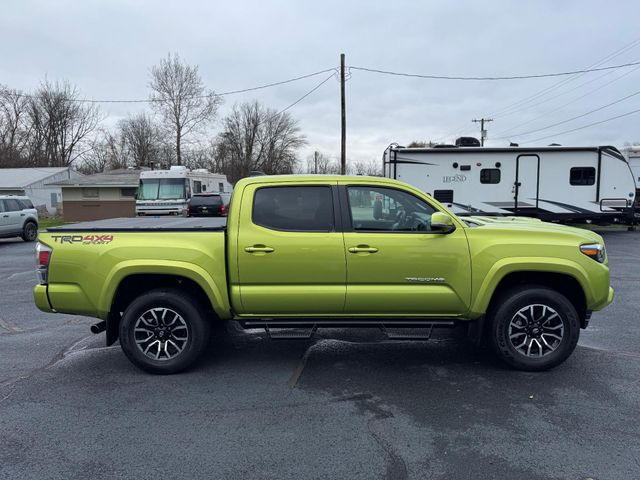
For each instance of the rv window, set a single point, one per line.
(197, 186)
(582, 176)
(444, 196)
(490, 175)
(221, 187)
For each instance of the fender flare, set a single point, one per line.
(217, 294)
(505, 266)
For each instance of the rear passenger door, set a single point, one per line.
(12, 216)
(4, 219)
(290, 252)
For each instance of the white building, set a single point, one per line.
(33, 182)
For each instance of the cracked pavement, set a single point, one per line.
(345, 405)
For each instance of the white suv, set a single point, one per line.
(18, 218)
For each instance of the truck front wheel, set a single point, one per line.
(533, 328)
(163, 331)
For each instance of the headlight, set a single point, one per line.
(594, 250)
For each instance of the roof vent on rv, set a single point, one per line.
(467, 142)
(177, 167)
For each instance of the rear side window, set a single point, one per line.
(12, 205)
(25, 204)
(582, 176)
(307, 209)
(490, 175)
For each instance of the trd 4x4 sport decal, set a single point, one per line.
(84, 239)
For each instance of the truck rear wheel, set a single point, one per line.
(533, 328)
(164, 331)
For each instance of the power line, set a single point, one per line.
(503, 133)
(515, 77)
(585, 126)
(509, 109)
(148, 100)
(569, 119)
(556, 85)
(299, 99)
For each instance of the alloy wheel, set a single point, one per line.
(536, 330)
(161, 333)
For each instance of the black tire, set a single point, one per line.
(29, 232)
(513, 309)
(138, 319)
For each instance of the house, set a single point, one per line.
(36, 183)
(108, 194)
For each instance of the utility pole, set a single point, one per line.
(483, 132)
(343, 115)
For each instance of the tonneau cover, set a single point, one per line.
(146, 224)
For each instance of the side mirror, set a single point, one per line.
(442, 223)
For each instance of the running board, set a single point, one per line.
(305, 328)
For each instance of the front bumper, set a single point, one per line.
(605, 301)
(41, 298)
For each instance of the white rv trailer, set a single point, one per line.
(551, 183)
(166, 192)
(633, 157)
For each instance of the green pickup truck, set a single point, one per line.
(326, 251)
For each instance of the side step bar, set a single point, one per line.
(305, 328)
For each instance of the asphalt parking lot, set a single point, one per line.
(345, 405)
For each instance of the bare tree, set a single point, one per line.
(60, 124)
(107, 152)
(371, 168)
(322, 163)
(181, 98)
(257, 138)
(14, 128)
(142, 139)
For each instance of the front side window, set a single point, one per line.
(378, 209)
(582, 176)
(307, 209)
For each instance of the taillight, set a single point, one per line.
(188, 210)
(43, 257)
(222, 209)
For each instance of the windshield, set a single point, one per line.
(161, 189)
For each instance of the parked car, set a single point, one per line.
(18, 218)
(327, 251)
(208, 205)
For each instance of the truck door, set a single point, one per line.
(395, 264)
(526, 183)
(290, 254)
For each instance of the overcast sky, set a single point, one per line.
(106, 49)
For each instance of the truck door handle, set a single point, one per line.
(5, 216)
(259, 249)
(363, 249)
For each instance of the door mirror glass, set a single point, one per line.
(442, 223)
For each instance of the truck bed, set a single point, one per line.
(146, 224)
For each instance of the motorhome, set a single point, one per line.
(553, 183)
(166, 192)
